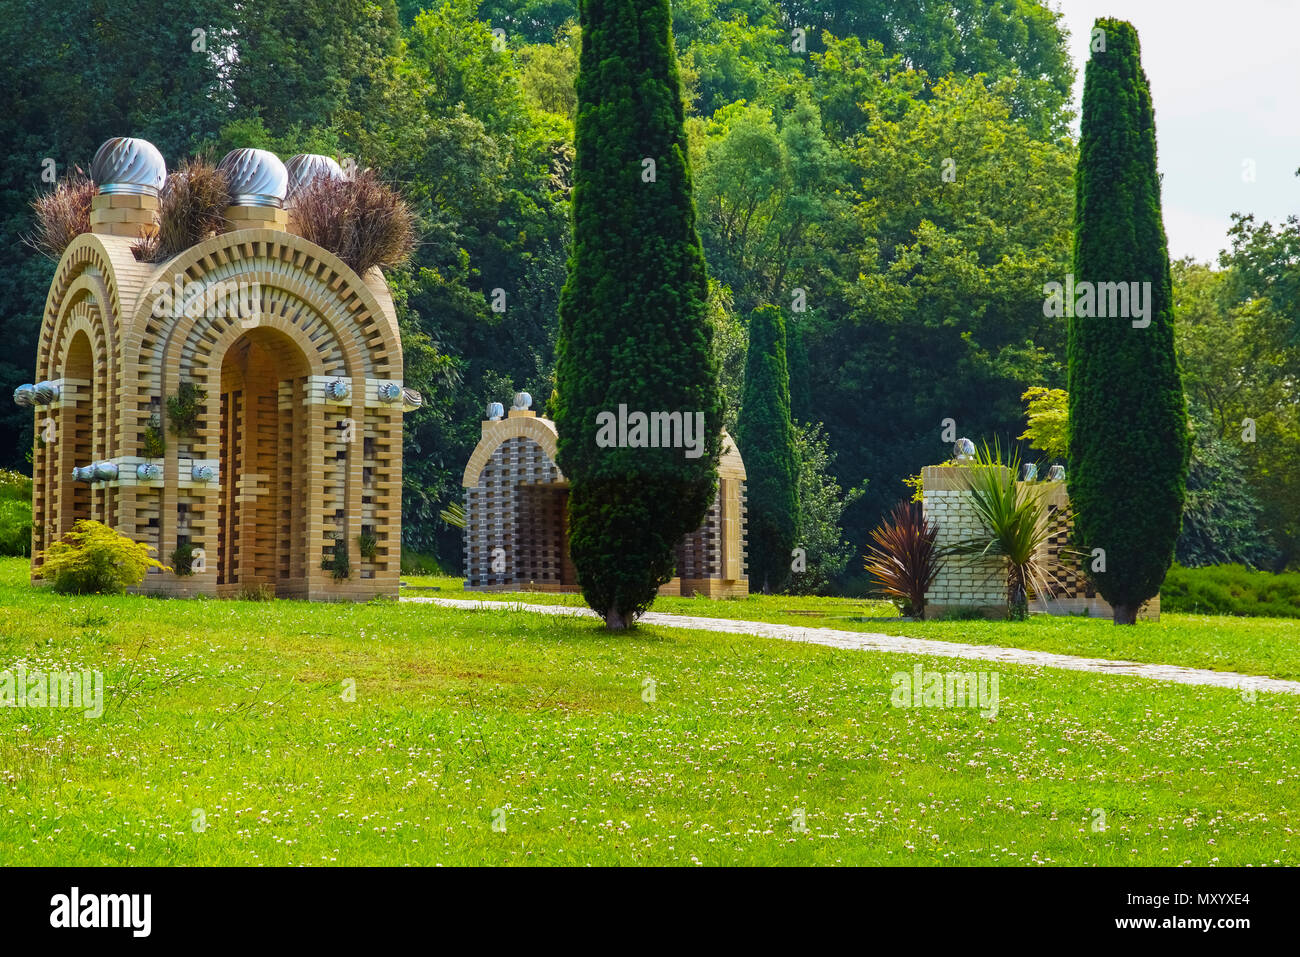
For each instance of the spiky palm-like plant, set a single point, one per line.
(904, 559)
(1016, 525)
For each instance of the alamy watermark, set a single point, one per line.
(946, 689)
(21, 688)
(651, 430)
(222, 299)
(1098, 300)
(129, 911)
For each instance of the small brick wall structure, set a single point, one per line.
(516, 518)
(963, 584)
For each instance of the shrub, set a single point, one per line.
(904, 559)
(182, 559)
(184, 407)
(416, 563)
(15, 486)
(155, 443)
(368, 546)
(15, 513)
(821, 508)
(15, 527)
(362, 221)
(191, 208)
(1221, 514)
(94, 559)
(1231, 590)
(62, 214)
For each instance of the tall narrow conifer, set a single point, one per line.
(1129, 441)
(633, 326)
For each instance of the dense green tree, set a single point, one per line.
(821, 507)
(962, 213)
(765, 437)
(1019, 40)
(1129, 441)
(1265, 264)
(75, 74)
(305, 62)
(549, 72)
(634, 331)
(1221, 514)
(526, 21)
(768, 199)
(1238, 360)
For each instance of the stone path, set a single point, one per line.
(869, 641)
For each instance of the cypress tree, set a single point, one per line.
(796, 353)
(765, 437)
(633, 325)
(1129, 441)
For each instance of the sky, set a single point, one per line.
(1225, 80)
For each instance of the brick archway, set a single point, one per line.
(264, 441)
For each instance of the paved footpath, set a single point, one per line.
(869, 641)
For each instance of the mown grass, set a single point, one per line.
(1257, 646)
(237, 710)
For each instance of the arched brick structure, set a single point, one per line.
(516, 510)
(296, 449)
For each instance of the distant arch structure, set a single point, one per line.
(517, 515)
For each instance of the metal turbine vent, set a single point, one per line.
(256, 177)
(305, 167)
(129, 166)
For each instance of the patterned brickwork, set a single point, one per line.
(288, 473)
(516, 507)
(966, 585)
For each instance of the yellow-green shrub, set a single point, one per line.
(94, 559)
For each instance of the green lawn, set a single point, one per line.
(462, 718)
(1257, 646)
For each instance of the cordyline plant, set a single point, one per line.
(361, 220)
(904, 559)
(1016, 527)
(62, 214)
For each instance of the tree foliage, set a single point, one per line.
(1221, 515)
(1240, 370)
(765, 436)
(821, 509)
(1048, 421)
(634, 330)
(1129, 441)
